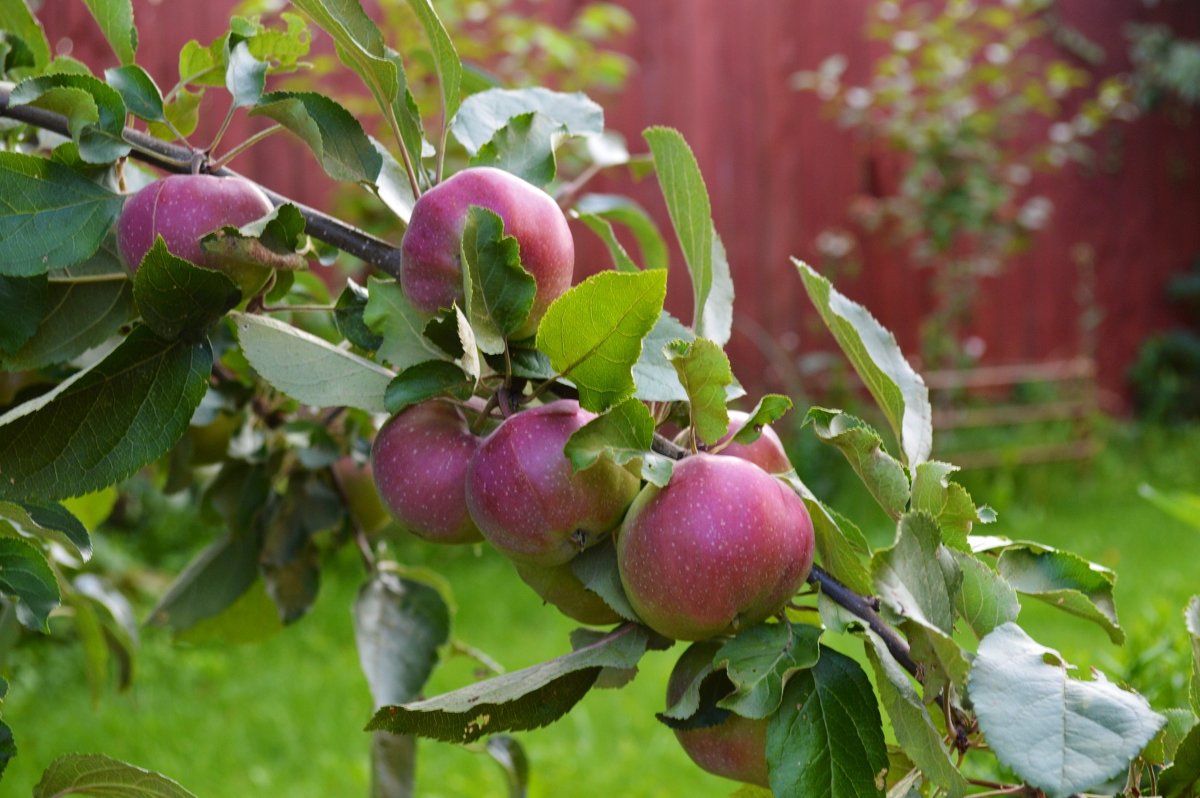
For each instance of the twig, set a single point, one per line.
(667, 447)
(862, 608)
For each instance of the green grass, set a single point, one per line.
(284, 717)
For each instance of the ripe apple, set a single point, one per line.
(767, 452)
(431, 254)
(527, 500)
(559, 586)
(723, 545)
(419, 459)
(735, 748)
(185, 208)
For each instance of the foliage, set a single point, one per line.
(1166, 66)
(1166, 375)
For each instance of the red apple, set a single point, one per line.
(419, 460)
(767, 452)
(185, 208)
(735, 748)
(723, 545)
(559, 586)
(527, 500)
(431, 260)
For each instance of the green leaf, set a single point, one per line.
(309, 369)
(593, 333)
(769, 409)
(882, 474)
(1066, 581)
(204, 65)
(245, 76)
(408, 119)
(8, 745)
(691, 215)
(94, 110)
(827, 737)
(1086, 732)
(329, 130)
(526, 699)
(616, 209)
(115, 18)
(499, 291)
(1183, 505)
(25, 300)
(290, 560)
(839, 543)
(1165, 745)
(760, 660)
(210, 584)
(948, 502)
(49, 521)
(445, 58)
(1192, 620)
(506, 752)
(914, 728)
(596, 568)
(486, 112)
(704, 372)
(876, 357)
(1183, 777)
(96, 774)
(17, 18)
(623, 434)
(424, 381)
(717, 321)
(177, 297)
(121, 414)
(604, 229)
(392, 186)
(918, 577)
(525, 147)
(142, 96)
(389, 314)
(348, 317)
(183, 113)
(985, 600)
(655, 375)
(399, 625)
(50, 215)
(274, 241)
(26, 576)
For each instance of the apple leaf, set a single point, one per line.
(596, 568)
(445, 58)
(348, 317)
(616, 209)
(526, 699)
(388, 313)
(876, 357)
(141, 94)
(593, 333)
(839, 543)
(245, 76)
(50, 215)
(623, 434)
(769, 409)
(759, 662)
(918, 577)
(718, 308)
(882, 474)
(115, 18)
(948, 502)
(275, 241)
(604, 229)
(177, 297)
(1192, 620)
(827, 737)
(1086, 732)
(26, 576)
(391, 184)
(506, 752)
(704, 372)
(17, 18)
(1165, 745)
(1181, 504)
(96, 774)
(1183, 776)
(653, 374)
(984, 600)
(25, 301)
(124, 412)
(484, 113)
(1065, 581)
(183, 112)
(211, 583)
(329, 130)
(48, 521)
(525, 147)
(498, 289)
(425, 381)
(310, 369)
(94, 110)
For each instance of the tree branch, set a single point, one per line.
(179, 159)
(863, 608)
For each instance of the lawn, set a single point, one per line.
(284, 716)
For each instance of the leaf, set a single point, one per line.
(1066, 581)
(769, 409)
(274, 241)
(653, 374)
(604, 229)
(392, 186)
(309, 369)
(183, 112)
(873, 352)
(881, 473)
(177, 297)
(49, 521)
(8, 746)
(1183, 776)
(348, 317)
(1165, 745)
(704, 372)
(94, 110)
(445, 58)
(18, 19)
(96, 774)
(1086, 732)
(623, 434)
(50, 215)
(718, 308)
(484, 113)
(526, 699)
(138, 90)
(25, 300)
(216, 578)
(115, 18)
(245, 76)
(948, 502)
(760, 660)
(985, 600)
(917, 577)
(827, 737)
(511, 758)
(617, 209)
(425, 381)
(839, 543)
(914, 728)
(390, 314)
(26, 576)
(525, 147)
(1183, 505)
(123, 413)
(330, 131)
(596, 568)
(593, 333)
(499, 291)
(691, 215)
(399, 625)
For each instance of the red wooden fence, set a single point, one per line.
(779, 172)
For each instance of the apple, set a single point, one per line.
(431, 254)
(559, 586)
(736, 747)
(185, 208)
(767, 452)
(419, 460)
(722, 546)
(528, 501)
